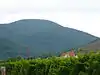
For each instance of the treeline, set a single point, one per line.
(88, 64)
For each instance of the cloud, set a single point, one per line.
(48, 5)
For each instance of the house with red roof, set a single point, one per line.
(68, 54)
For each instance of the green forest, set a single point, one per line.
(87, 64)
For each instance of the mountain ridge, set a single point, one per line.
(49, 21)
(43, 36)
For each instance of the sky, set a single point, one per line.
(83, 15)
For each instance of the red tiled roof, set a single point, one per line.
(70, 53)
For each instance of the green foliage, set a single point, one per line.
(88, 64)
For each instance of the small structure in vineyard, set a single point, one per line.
(68, 54)
(3, 70)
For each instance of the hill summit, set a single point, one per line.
(39, 36)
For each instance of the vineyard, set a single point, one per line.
(88, 64)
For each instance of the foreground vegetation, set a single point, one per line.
(88, 64)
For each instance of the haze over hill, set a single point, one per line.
(39, 36)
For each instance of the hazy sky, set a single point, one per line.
(79, 14)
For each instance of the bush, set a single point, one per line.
(88, 64)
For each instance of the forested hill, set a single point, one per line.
(39, 36)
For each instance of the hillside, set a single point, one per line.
(41, 36)
(92, 46)
(10, 49)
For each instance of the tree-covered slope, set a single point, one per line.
(42, 36)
